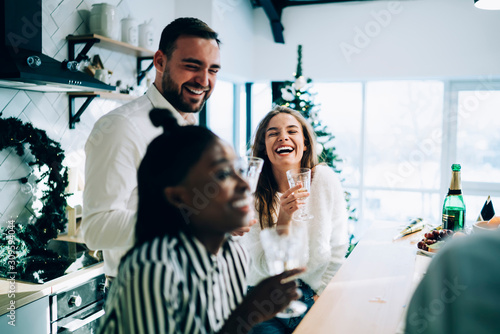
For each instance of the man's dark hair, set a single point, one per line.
(184, 26)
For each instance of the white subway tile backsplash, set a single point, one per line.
(65, 10)
(52, 97)
(13, 168)
(67, 27)
(5, 96)
(123, 10)
(50, 5)
(7, 194)
(16, 105)
(17, 203)
(35, 116)
(44, 106)
(4, 154)
(60, 126)
(60, 104)
(48, 46)
(48, 22)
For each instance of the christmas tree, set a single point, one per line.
(297, 95)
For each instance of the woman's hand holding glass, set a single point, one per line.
(301, 176)
(290, 202)
(266, 291)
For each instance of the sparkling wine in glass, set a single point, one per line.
(286, 248)
(302, 176)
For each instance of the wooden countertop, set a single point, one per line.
(370, 292)
(26, 293)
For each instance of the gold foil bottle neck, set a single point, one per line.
(455, 181)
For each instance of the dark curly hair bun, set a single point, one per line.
(163, 118)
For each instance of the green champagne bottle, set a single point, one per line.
(454, 206)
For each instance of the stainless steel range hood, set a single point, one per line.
(22, 64)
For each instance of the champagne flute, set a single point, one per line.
(286, 248)
(249, 168)
(302, 176)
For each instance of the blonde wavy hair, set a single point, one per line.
(265, 195)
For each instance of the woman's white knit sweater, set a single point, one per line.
(327, 233)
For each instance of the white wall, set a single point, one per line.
(233, 20)
(419, 39)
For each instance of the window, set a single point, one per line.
(403, 134)
(221, 110)
(389, 135)
(475, 141)
(478, 135)
(341, 107)
(261, 103)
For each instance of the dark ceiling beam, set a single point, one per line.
(274, 8)
(273, 11)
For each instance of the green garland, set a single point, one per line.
(23, 248)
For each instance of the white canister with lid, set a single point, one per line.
(146, 35)
(103, 20)
(130, 33)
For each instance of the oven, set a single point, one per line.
(78, 309)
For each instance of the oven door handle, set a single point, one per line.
(77, 323)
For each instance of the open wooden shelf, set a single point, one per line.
(111, 44)
(89, 41)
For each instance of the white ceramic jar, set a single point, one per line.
(130, 32)
(146, 35)
(103, 20)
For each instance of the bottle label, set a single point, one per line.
(448, 222)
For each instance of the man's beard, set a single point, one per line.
(175, 97)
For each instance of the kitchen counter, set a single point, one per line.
(24, 293)
(370, 292)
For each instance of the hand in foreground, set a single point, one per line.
(242, 230)
(273, 294)
(262, 303)
(290, 202)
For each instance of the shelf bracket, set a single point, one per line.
(83, 54)
(141, 74)
(74, 118)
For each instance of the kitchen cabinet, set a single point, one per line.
(140, 53)
(32, 318)
(38, 306)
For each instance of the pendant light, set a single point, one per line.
(487, 4)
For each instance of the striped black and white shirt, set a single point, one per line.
(174, 285)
